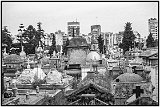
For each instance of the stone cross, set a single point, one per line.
(138, 91)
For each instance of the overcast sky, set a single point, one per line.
(54, 16)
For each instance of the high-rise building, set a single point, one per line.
(59, 37)
(108, 39)
(153, 27)
(59, 40)
(119, 37)
(47, 40)
(96, 30)
(73, 27)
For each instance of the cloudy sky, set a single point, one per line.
(54, 16)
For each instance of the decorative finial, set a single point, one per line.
(28, 66)
(37, 89)
(39, 44)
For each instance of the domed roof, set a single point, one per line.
(23, 54)
(93, 55)
(13, 58)
(129, 77)
(26, 77)
(54, 77)
(77, 41)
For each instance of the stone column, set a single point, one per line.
(15, 90)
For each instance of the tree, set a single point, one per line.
(30, 33)
(140, 45)
(28, 39)
(6, 38)
(21, 37)
(128, 38)
(32, 37)
(40, 32)
(53, 46)
(65, 47)
(121, 45)
(100, 43)
(150, 41)
(156, 43)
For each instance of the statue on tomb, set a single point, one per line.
(92, 102)
(5, 53)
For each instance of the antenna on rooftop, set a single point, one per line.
(96, 20)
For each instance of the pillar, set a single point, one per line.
(15, 90)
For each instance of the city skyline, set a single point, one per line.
(54, 16)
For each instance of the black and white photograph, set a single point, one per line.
(80, 53)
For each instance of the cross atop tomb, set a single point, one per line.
(138, 91)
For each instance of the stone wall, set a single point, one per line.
(43, 86)
(30, 86)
